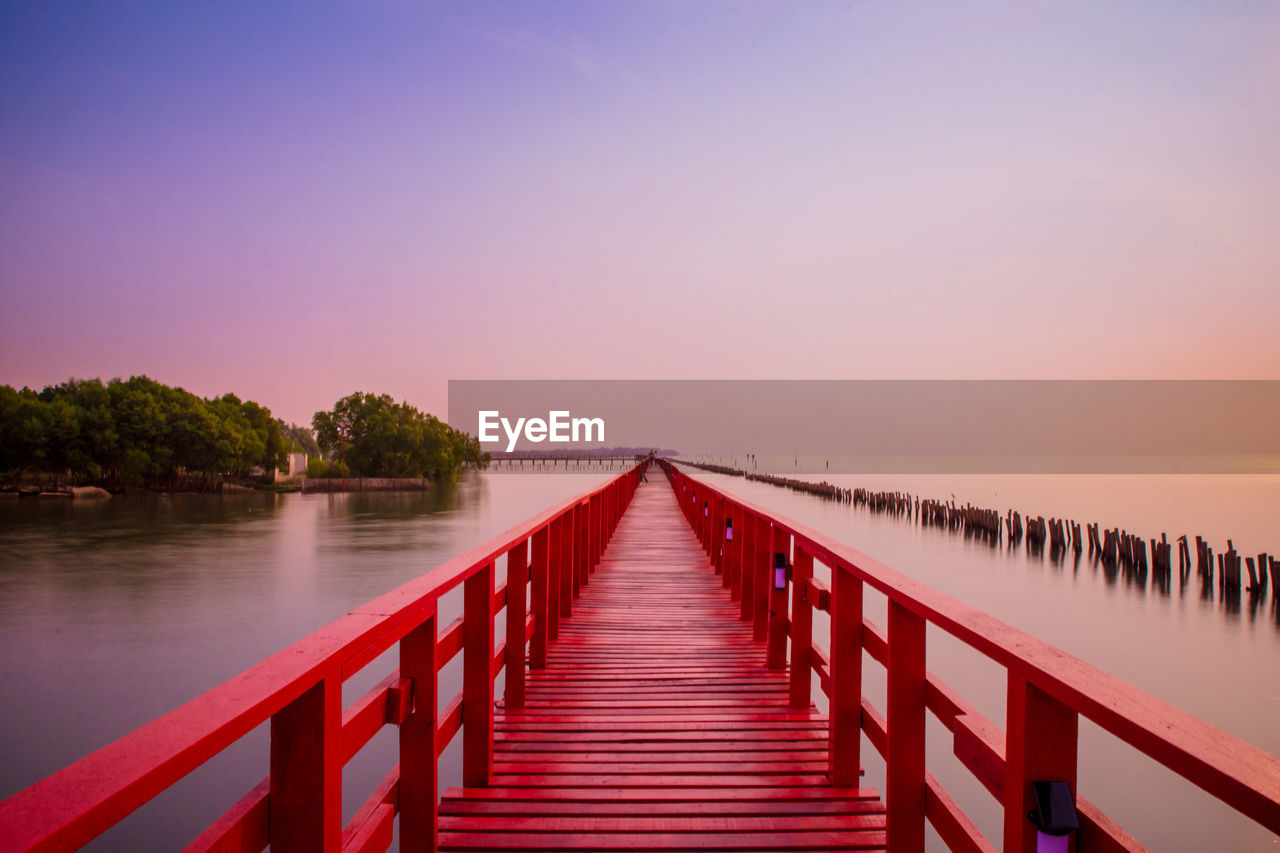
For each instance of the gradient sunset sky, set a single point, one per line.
(295, 201)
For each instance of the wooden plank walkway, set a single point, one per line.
(656, 725)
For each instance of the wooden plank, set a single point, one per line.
(1242, 775)
(763, 794)
(952, 825)
(372, 829)
(905, 791)
(306, 771)
(845, 677)
(1040, 745)
(78, 803)
(242, 829)
(666, 823)
(419, 779)
(700, 807)
(656, 723)
(450, 722)
(517, 578)
(768, 841)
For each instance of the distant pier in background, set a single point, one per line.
(529, 462)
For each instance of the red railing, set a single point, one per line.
(1048, 690)
(298, 807)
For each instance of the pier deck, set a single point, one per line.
(656, 725)
(659, 699)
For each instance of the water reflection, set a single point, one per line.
(1202, 658)
(114, 612)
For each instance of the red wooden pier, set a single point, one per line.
(660, 699)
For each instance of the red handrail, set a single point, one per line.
(298, 807)
(1048, 689)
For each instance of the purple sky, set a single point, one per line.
(295, 201)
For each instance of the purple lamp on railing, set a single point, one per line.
(728, 530)
(780, 570)
(1054, 816)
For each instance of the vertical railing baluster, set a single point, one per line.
(800, 687)
(776, 654)
(1040, 746)
(561, 527)
(306, 770)
(707, 523)
(762, 584)
(571, 574)
(747, 567)
(418, 772)
(904, 756)
(606, 521)
(740, 551)
(845, 726)
(596, 504)
(477, 677)
(576, 578)
(731, 549)
(539, 595)
(583, 527)
(717, 534)
(517, 596)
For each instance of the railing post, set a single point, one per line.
(593, 525)
(582, 531)
(776, 654)
(707, 523)
(845, 726)
(763, 584)
(611, 516)
(577, 539)
(717, 534)
(801, 691)
(538, 572)
(731, 548)
(904, 757)
(576, 578)
(740, 552)
(517, 593)
(571, 567)
(560, 527)
(747, 567)
(306, 770)
(538, 580)
(1040, 746)
(588, 560)
(477, 678)
(418, 773)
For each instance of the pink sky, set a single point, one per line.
(299, 203)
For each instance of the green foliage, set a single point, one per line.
(318, 469)
(134, 431)
(379, 437)
(299, 439)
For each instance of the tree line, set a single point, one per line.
(134, 432)
(372, 435)
(139, 432)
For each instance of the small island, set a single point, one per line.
(86, 438)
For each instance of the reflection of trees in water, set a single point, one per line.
(401, 506)
(136, 520)
(385, 521)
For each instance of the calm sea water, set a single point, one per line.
(1220, 664)
(112, 613)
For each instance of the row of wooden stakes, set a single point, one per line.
(823, 490)
(1115, 549)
